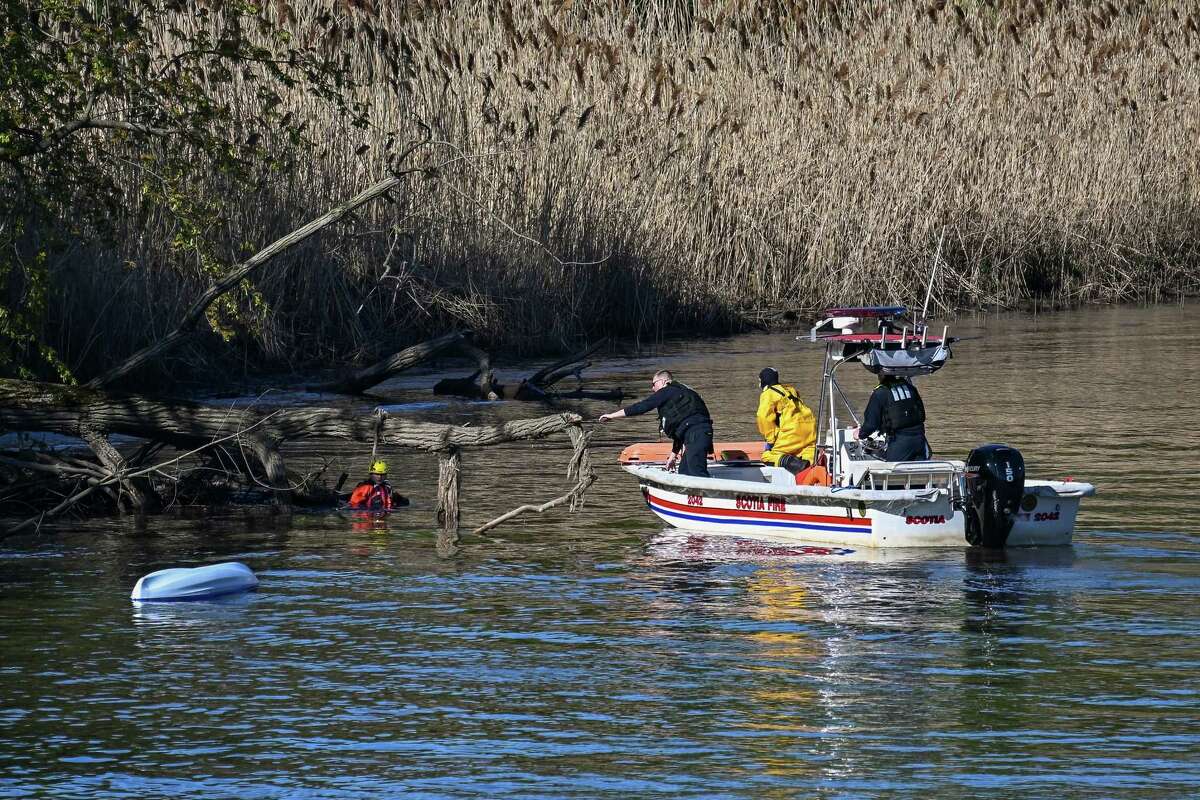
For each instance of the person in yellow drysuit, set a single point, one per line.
(786, 423)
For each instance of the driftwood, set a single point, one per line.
(29, 406)
(550, 374)
(77, 497)
(358, 381)
(137, 494)
(538, 387)
(480, 385)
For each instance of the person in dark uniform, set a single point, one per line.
(682, 416)
(895, 408)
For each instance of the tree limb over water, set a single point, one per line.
(235, 276)
(70, 411)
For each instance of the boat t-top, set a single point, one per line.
(851, 496)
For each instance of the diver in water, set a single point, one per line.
(375, 493)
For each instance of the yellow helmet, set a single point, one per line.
(380, 467)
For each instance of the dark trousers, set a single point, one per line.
(697, 444)
(907, 447)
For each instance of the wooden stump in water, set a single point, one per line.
(447, 502)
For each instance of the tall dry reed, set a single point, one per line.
(638, 168)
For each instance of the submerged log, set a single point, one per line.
(548, 375)
(538, 386)
(358, 381)
(480, 385)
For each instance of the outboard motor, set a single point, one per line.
(995, 484)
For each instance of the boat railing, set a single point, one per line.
(912, 475)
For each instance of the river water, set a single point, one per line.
(599, 655)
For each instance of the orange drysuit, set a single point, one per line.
(372, 496)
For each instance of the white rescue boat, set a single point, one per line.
(859, 500)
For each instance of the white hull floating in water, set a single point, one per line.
(852, 498)
(194, 583)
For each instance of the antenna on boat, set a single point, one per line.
(936, 259)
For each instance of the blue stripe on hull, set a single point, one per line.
(765, 522)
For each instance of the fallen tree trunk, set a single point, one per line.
(236, 275)
(538, 386)
(358, 381)
(481, 384)
(548, 375)
(69, 410)
(29, 406)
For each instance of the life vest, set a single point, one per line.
(813, 476)
(686, 403)
(372, 496)
(902, 407)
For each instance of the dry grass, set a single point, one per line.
(694, 169)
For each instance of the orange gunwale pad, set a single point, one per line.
(657, 452)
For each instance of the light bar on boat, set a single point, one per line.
(879, 338)
(848, 321)
(865, 311)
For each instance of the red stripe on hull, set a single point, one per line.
(776, 515)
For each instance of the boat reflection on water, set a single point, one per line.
(816, 635)
(192, 617)
(675, 544)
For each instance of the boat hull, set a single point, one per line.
(194, 583)
(817, 516)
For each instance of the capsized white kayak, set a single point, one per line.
(194, 583)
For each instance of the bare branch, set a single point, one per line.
(74, 126)
(580, 468)
(197, 310)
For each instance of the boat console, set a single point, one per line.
(864, 468)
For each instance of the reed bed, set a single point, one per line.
(638, 169)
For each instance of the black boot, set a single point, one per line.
(793, 465)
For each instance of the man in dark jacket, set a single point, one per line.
(682, 416)
(895, 408)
